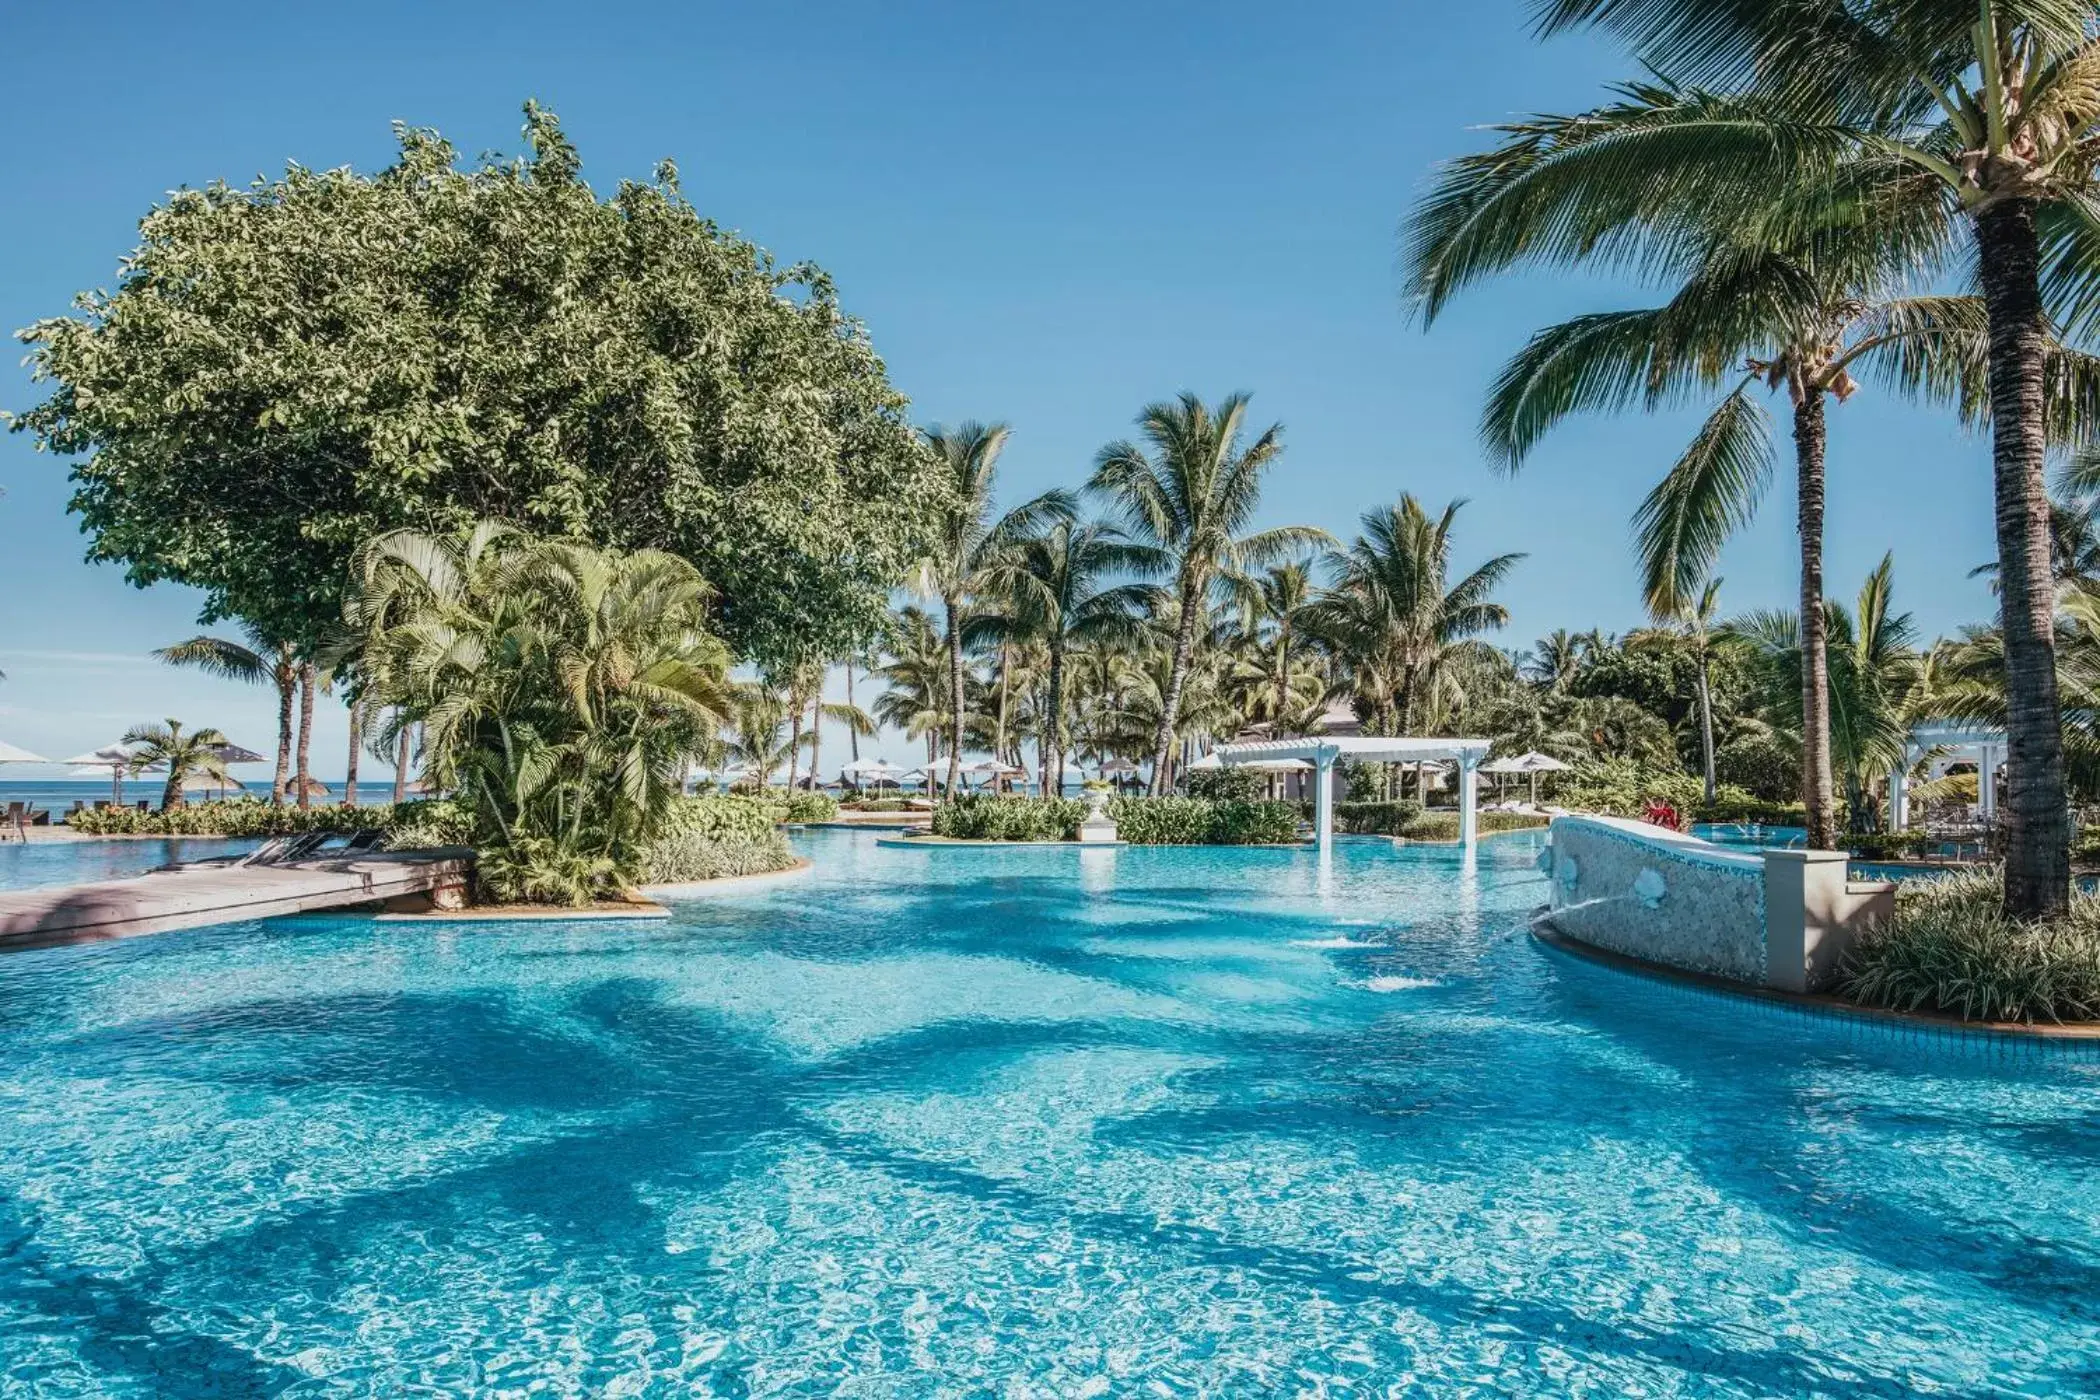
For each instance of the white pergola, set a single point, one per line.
(1323, 752)
(1959, 741)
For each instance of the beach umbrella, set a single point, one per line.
(204, 782)
(10, 754)
(234, 753)
(991, 770)
(874, 770)
(116, 758)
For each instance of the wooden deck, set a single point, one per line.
(189, 896)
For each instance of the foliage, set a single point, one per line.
(1620, 787)
(802, 805)
(1732, 804)
(990, 817)
(198, 754)
(1891, 845)
(727, 816)
(1442, 826)
(435, 821)
(1193, 821)
(562, 691)
(286, 370)
(1224, 784)
(1950, 948)
(1762, 764)
(684, 854)
(1377, 818)
(239, 817)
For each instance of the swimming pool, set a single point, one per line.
(1019, 1123)
(24, 865)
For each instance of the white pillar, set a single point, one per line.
(1899, 794)
(1467, 821)
(1986, 787)
(1323, 801)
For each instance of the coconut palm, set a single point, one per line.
(1395, 619)
(1275, 610)
(917, 678)
(1193, 495)
(1977, 115)
(198, 754)
(1556, 657)
(261, 660)
(1054, 583)
(1690, 623)
(969, 540)
(759, 735)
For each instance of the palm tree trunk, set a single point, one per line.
(1177, 677)
(401, 765)
(999, 738)
(794, 742)
(287, 686)
(307, 681)
(1053, 724)
(816, 739)
(2037, 833)
(955, 695)
(1816, 796)
(357, 724)
(852, 734)
(1706, 727)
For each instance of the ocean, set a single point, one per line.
(60, 795)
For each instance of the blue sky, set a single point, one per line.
(1047, 214)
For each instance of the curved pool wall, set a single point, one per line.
(1021, 1122)
(1773, 918)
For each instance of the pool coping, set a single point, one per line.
(551, 914)
(927, 843)
(1822, 1006)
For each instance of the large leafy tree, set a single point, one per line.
(289, 369)
(1981, 112)
(1192, 490)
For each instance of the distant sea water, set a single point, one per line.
(59, 796)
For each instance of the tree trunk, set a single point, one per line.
(357, 724)
(1053, 722)
(1177, 677)
(816, 739)
(401, 763)
(1816, 795)
(2037, 831)
(1706, 726)
(852, 734)
(307, 683)
(794, 742)
(999, 737)
(287, 686)
(955, 696)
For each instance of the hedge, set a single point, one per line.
(687, 853)
(1950, 948)
(239, 817)
(751, 818)
(990, 817)
(1443, 825)
(1376, 818)
(1141, 821)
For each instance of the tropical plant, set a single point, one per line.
(197, 754)
(1977, 117)
(562, 692)
(1690, 622)
(1053, 585)
(1874, 670)
(1395, 619)
(1950, 948)
(261, 660)
(1193, 495)
(970, 543)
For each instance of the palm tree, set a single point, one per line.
(916, 679)
(1801, 315)
(970, 540)
(1193, 496)
(263, 660)
(1691, 624)
(562, 691)
(1875, 670)
(1274, 612)
(1395, 619)
(759, 735)
(1557, 656)
(806, 694)
(1980, 116)
(1054, 586)
(199, 753)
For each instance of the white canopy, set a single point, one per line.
(10, 754)
(1533, 762)
(108, 756)
(871, 768)
(993, 768)
(1323, 751)
(1211, 761)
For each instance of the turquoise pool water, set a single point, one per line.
(25, 865)
(1014, 1123)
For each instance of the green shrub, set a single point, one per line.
(1161, 821)
(1619, 787)
(875, 804)
(436, 821)
(241, 817)
(687, 853)
(1764, 767)
(1376, 818)
(1951, 949)
(1891, 845)
(985, 816)
(1225, 784)
(1732, 804)
(811, 807)
(1254, 823)
(1442, 826)
(752, 818)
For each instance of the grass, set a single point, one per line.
(1950, 949)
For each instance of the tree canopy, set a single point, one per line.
(289, 369)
